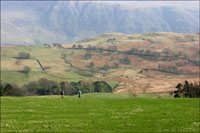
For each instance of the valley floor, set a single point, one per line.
(99, 112)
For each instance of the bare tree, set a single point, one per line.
(74, 46)
(132, 92)
(146, 87)
(27, 70)
(18, 62)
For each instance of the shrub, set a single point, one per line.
(32, 88)
(1, 90)
(87, 56)
(23, 55)
(11, 90)
(27, 69)
(125, 60)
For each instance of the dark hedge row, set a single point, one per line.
(190, 90)
(49, 87)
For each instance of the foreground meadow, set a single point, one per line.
(99, 113)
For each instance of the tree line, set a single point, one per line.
(174, 69)
(49, 87)
(166, 53)
(59, 45)
(186, 89)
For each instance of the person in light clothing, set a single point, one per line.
(79, 94)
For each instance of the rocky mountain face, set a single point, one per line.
(25, 23)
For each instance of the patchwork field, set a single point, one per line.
(139, 63)
(99, 112)
(49, 58)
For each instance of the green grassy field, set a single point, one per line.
(20, 78)
(99, 113)
(49, 57)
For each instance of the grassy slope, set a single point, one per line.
(156, 42)
(156, 39)
(59, 70)
(48, 57)
(99, 113)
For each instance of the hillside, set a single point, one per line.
(34, 23)
(137, 63)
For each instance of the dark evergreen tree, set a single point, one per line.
(102, 86)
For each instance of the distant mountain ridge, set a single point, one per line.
(64, 22)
